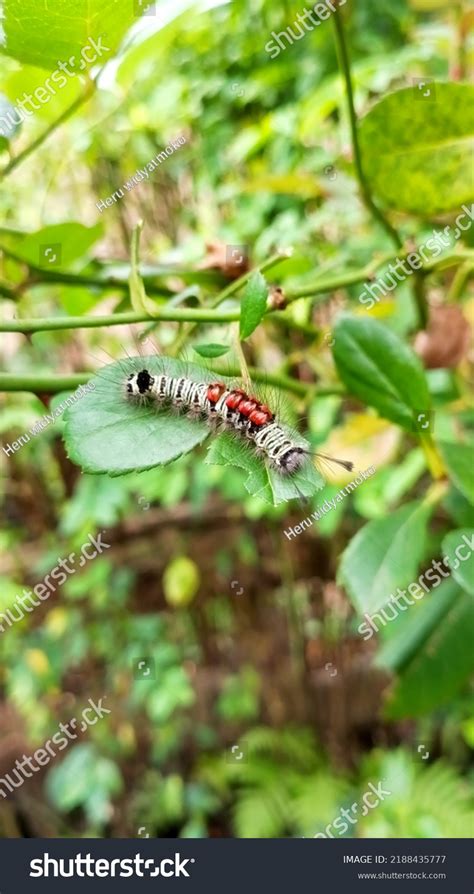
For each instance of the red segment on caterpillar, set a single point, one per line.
(264, 409)
(234, 399)
(246, 407)
(260, 417)
(215, 391)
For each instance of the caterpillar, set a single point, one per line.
(231, 409)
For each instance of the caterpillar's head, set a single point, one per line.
(292, 460)
(139, 383)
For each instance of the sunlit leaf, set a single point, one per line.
(104, 432)
(55, 246)
(416, 146)
(41, 33)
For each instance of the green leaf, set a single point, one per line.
(254, 304)
(262, 481)
(409, 632)
(446, 662)
(106, 433)
(27, 79)
(458, 547)
(459, 460)
(211, 350)
(378, 368)
(460, 510)
(44, 34)
(77, 300)
(80, 778)
(257, 815)
(417, 150)
(383, 555)
(59, 246)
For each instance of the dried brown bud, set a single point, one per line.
(446, 339)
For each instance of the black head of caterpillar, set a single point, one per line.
(232, 409)
(139, 383)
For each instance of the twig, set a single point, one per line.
(364, 187)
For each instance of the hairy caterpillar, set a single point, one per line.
(230, 409)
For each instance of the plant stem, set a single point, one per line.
(183, 337)
(364, 187)
(239, 352)
(322, 286)
(238, 284)
(173, 314)
(459, 281)
(420, 299)
(432, 456)
(42, 384)
(339, 281)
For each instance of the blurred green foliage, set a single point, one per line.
(241, 629)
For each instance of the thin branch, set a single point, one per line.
(239, 283)
(364, 186)
(322, 286)
(42, 384)
(173, 314)
(183, 337)
(340, 280)
(460, 280)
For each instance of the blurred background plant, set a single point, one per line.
(250, 639)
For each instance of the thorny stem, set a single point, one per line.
(364, 187)
(228, 291)
(197, 315)
(173, 314)
(339, 281)
(235, 286)
(418, 281)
